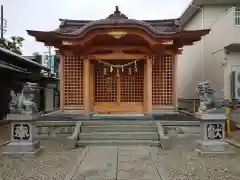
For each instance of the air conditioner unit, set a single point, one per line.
(235, 85)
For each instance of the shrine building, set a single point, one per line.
(117, 64)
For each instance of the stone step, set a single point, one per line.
(119, 128)
(119, 136)
(117, 142)
(117, 122)
(180, 123)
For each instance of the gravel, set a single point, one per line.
(183, 163)
(52, 164)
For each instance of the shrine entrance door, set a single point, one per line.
(119, 90)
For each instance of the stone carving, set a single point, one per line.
(21, 132)
(214, 131)
(210, 101)
(24, 103)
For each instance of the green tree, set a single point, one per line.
(14, 44)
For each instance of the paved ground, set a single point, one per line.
(152, 163)
(123, 163)
(119, 163)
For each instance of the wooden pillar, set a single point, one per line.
(62, 90)
(174, 81)
(92, 94)
(86, 86)
(148, 85)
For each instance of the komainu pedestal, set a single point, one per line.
(22, 118)
(212, 139)
(23, 141)
(211, 114)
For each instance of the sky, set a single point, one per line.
(22, 15)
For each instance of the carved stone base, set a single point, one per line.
(212, 139)
(214, 148)
(23, 134)
(26, 149)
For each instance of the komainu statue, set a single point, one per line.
(24, 103)
(210, 101)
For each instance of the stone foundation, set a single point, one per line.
(212, 129)
(23, 142)
(54, 129)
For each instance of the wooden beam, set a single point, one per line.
(152, 41)
(117, 56)
(118, 48)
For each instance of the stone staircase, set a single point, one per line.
(118, 133)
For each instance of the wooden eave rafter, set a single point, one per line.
(117, 56)
(145, 36)
(142, 49)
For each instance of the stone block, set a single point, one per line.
(148, 116)
(23, 133)
(166, 142)
(71, 143)
(212, 138)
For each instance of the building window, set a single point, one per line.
(237, 17)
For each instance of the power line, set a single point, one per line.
(2, 22)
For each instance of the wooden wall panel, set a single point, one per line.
(73, 82)
(162, 81)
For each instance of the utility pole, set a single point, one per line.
(49, 56)
(49, 50)
(49, 60)
(2, 26)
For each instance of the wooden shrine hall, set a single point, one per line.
(117, 64)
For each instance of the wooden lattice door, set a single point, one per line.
(132, 84)
(105, 85)
(119, 92)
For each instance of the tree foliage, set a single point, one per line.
(14, 44)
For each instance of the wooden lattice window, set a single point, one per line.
(162, 81)
(73, 81)
(105, 84)
(132, 85)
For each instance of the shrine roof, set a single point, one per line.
(117, 19)
(167, 28)
(166, 25)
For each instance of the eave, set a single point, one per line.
(10, 67)
(51, 38)
(23, 60)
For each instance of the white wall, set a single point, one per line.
(233, 61)
(190, 63)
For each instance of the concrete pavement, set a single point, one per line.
(117, 163)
